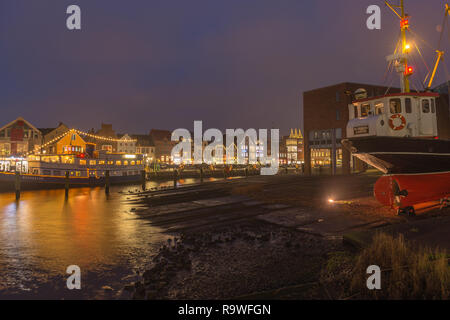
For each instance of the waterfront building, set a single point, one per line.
(18, 138)
(126, 144)
(325, 117)
(294, 147)
(49, 134)
(106, 131)
(163, 145)
(145, 146)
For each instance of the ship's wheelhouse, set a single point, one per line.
(398, 115)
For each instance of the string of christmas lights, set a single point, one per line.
(102, 138)
(80, 133)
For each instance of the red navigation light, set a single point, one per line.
(404, 23)
(409, 71)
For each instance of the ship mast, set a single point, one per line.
(401, 60)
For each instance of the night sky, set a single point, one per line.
(142, 64)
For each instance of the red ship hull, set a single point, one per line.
(413, 190)
(417, 171)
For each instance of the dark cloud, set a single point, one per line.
(163, 64)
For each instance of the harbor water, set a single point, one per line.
(43, 233)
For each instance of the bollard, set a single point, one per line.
(201, 175)
(143, 179)
(66, 184)
(224, 173)
(107, 181)
(17, 185)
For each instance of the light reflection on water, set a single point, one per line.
(42, 234)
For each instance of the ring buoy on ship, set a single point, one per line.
(397, 127)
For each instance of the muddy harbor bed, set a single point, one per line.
(260, 237)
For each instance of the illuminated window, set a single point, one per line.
(133, 163)
(82, 162)
(101, 162)
(92, 162)
(125, 163)
(118, 163)
(379, 108)
(365, 109)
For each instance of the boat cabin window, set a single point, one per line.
(433, 106)
(355, 109)
(425, 106)
(408, 106)
(395, 105)
(365, 109)
(379, 108)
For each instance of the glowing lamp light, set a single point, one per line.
(409, 70)
(330, 201)
(407, 47)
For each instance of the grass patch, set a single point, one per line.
(408, 272)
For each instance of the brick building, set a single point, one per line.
(325, 116)
(163, 145)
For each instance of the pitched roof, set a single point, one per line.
(160, 134)
(46, 131)
(143, 140)
(19, 119)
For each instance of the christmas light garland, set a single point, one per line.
(81, 133)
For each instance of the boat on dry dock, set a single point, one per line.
(404, 135)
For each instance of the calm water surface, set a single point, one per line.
(42, 234)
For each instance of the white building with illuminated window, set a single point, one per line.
(126, 144)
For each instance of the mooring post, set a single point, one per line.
(201, 175)
(143, 176)
(107, 181)
(224, 172)
(66, 184)
(17, 185)
(175, 177)
(246, 172)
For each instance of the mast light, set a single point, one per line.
(409, 70)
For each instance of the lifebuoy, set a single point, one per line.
(397, 127)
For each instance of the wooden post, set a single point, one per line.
(175, 177)
(66, 184)
(107, 181)
(246, 172)
(17, 185)
(143, 176)
(201, 175)
(333, 153)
